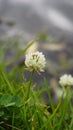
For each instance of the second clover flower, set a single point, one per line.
(66, 80)
(35, 61)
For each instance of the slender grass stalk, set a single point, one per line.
(13, 120)
(7, 82)
(49, 120)
(19, 54)
(10, 126)
(71, 123)
(49, 94)
(54, 113)
(64, 108)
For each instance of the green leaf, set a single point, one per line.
(5, 99)
(8, 100)
(10, 104)
(17, 100)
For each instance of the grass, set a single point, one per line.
(23, 108)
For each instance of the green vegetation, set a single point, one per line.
(23, 108)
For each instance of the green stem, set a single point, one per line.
(28, 92)
(13, 121)
(65, 107)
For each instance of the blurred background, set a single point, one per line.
(51, 21)
(36, 16)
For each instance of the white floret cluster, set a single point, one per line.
(66, 80)
(35, 61)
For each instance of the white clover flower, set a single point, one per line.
(35, 61)
(66, 80)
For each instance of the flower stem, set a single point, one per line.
(28, 92)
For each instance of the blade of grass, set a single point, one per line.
(64, 109)
(13, 120)
(49, 94)
(7, 82)
(20, 54)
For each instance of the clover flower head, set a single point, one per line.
(66, 80)
(35, 61)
